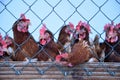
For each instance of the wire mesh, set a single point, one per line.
(56, 14)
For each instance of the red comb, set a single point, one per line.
(107, 26)
(42, 30)
(80, 24)
(87, 26)
(22, 17)
(4, 45)
(117, 26)
(71, 25)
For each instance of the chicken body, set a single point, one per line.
(80, 53)
(64, 38)
(111, 44)
(48, 48)
(25, 45)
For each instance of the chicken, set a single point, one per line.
(97, 50)
(64, 40)
(111, 43)
(117, 27)
(79, 54)
(3, 46)
(48, 48)
(10, 47)
(82, 33)
(4, 52)
(25, 45)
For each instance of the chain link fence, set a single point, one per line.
(55, 14)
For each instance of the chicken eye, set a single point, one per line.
(25, 24)
(0, 45)
(21, 24)
(42, 39)
(47, 35)
(68, 29)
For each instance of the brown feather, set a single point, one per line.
(79, 54)
(26, 42)
(50, 51)
(63, 38)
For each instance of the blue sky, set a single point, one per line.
(56, 13)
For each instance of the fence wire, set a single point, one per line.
(55, 14)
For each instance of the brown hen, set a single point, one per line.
(25, 46)
(111, 43)
(64, 40)
(80, 54)
(48, 48)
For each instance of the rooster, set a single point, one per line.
(111, 43)
(48, 48)
(64, 38)
(25, 45)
